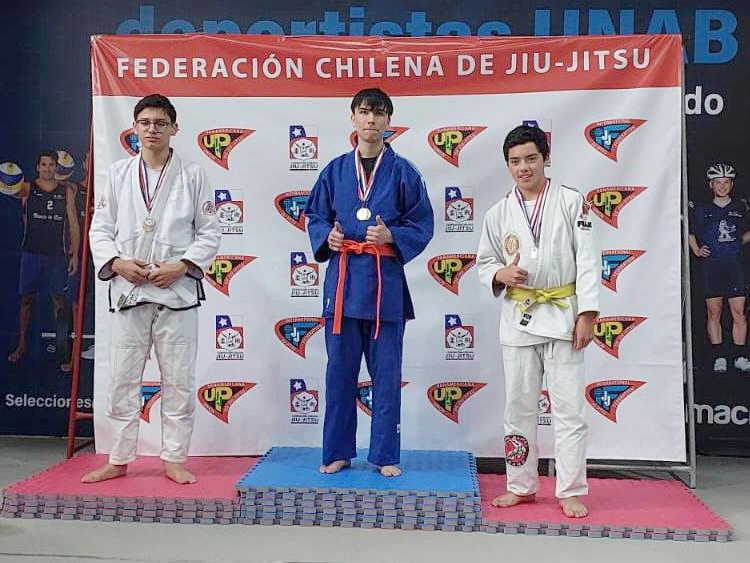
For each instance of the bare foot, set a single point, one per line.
(390, 471)
(572, 507)
(178, 473)
(17, 354)
(104, 473)
(511, 499)
(335, 466)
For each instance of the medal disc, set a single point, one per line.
(149, 224)
(363, 214)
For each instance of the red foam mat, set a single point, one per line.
(647, 508)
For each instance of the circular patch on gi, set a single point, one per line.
(511, 244)
(516, 450)
(208, 208)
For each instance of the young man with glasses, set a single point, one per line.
(538, 250)
(153, 233)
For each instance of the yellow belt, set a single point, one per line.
(554, 295)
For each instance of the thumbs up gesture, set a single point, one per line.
(512, 275)
(378, 233)
(336, 237)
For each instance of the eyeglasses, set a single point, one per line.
(145, 124)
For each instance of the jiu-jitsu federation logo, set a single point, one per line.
(544, 416)
(606, 136)
(218, 398)
(459, 337)
(607, 202)
(303, 276)
(546, 126)
(295, 332)
(129, 141)
(291, 206)
(459, 209)
(448, 269)
(303, 147)
(609, 332)
(230, 210)
(516, 450)
(230, 338)
(364, 396)
(448, 397)
(150, 393)
(218, 143)
(606, 396)
(223, 269)
(389, 135)
(614, 262)
(448, 142)
(303, 403)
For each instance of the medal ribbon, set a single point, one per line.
(535, 221)
(148, 199)
(364, 184)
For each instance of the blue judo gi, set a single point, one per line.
(399, 196)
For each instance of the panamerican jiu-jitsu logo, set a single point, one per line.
(303, 276)
(230, 338)
(546, 126)
(459, 209)
(295, 332)
(459, 337)
(129, 141)
(216, 144)
(607, 202)
(224, 267)
(448, 269)
(614, 262)
(448, 397)
(606, 396)
(610, 331)
(448, 142)
(304, 403)
(291, 206)
(150, 393)
(303, 147)
(217, 398)
(230, 209)
(606, 136)
(389, 135)
(364, 396)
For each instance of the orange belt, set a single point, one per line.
(351, 246)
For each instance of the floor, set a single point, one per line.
(723, 483)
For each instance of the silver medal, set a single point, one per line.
(149, 224)
(534, 252)
(364, 214)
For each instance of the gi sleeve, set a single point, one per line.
(414, 228)
(102, 228)
(320, 216)
(588, 255)
(489, 253)
(206, 232)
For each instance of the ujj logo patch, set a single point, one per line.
(448, 142)
(606, 136)
(303, 276)
(364, 396)
(218, 398)
(230, 338)
(303, 147)
(608, 202)
(448, 269)
(448, 397)
(610, 331)
(606, 396)
(295, 332)
(150, 393)
(303, 403)
(459, 337)
(614, 262)
(230, 210)
(224, 268)
(291, 206)
(459, 209)
(216, 144)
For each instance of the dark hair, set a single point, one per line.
(156, 101)
(50, 154)
(373, 98)
(526, 134)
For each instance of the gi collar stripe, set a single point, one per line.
(364, 184)
(148, 199)
(535, 221)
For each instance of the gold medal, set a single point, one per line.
(363, 214)
(149, 224)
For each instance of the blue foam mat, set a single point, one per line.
(451, 472)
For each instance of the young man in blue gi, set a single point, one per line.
(369, 213)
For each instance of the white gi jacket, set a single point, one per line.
(186, 228)
(568, 252)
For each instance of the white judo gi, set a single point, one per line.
(538, 341)
(181, 225)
